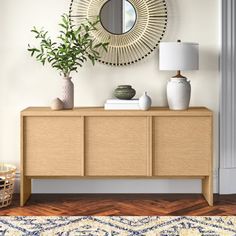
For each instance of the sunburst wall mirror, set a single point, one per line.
(133, 28)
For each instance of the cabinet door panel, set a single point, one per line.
(182, 146)
(116, 146)
(53, 146)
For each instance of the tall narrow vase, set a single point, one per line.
(68, 93)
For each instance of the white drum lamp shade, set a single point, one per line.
(178, 56)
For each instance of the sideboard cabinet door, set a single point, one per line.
(182, 146)
(53, 146)
(116, 146)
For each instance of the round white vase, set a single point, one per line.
(145, 102)
(57, 104)
(68, 93)
(178, 93)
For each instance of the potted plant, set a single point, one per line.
(74, 47)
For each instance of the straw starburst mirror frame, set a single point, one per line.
(130, 47)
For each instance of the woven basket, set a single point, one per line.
(7, 181)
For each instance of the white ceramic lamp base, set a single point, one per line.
(178, 93)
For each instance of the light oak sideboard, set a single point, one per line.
(97, 143)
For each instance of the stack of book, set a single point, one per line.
(119, 104)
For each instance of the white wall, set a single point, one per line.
(24, 82)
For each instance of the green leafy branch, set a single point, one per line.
(74, 46)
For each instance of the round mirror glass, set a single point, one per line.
(118, 16)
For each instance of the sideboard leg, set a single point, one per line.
(207, 189)
(25, 190)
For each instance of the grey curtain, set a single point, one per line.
(227, 172)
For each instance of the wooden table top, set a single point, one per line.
(92, 111)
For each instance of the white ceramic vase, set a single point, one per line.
(145, 102)
(68, 93)
(57, 104)
(178, 93)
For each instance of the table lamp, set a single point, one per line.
(178, 56)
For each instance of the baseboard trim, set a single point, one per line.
(116, 186)
(226, 182)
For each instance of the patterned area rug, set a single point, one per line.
(112, 226)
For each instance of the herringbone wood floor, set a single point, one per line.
(117, 205)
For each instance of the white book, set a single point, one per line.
(121, 101)
(117, 106)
